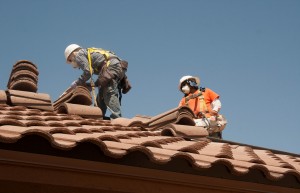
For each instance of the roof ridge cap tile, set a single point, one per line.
(81, 110)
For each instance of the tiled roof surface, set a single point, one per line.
(162, 138)
(116, 140)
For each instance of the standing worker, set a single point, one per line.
(111, 82)
(205, 104)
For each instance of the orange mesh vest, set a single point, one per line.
(200, 101)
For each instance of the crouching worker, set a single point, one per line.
(112, 80)
(205, 104)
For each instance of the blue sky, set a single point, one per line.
(248, 51)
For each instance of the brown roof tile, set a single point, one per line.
(3, 97)
(79, 95)
(30, 99)
(82, 110)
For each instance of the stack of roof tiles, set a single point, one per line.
(79, 95)
(22, 86)
(77, 101)
(24, 76)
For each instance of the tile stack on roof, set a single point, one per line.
(24, 76)
(175, 122)
(77, 101)
(22, 87)
(29, 99)
(179, 115)
(80, 95)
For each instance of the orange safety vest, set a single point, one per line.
(200, 102)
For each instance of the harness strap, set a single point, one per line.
(203, 107)
(106, 53)
(92, 82)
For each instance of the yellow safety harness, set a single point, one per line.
(106, 55)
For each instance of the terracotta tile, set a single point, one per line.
(3, 97)
(25, 64)
(295, 162)
(244, 153)
(220, 150)
(31, 100)
(185, 146)
(79, 95)
(139, 140)
(184, 131)
(116, 149)
(271, 159)
(127, 122)
(173, 116)
(82, 110)
(13, 122)
(11, 133)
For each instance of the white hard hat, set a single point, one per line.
(69, 49)
(184, 78)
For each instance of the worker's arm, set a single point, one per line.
(82, 60)
(216, 106)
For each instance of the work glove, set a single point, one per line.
(73, 85)
(213, 113)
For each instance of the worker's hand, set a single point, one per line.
(74, 84)
(213, 118)
(214, 113)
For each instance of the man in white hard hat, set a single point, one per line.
(205, 104)
(111, 74)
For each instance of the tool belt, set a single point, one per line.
(125, 85)
(106, 75)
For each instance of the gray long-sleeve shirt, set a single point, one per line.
(97, 63)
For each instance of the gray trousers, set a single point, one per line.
(109, 96)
